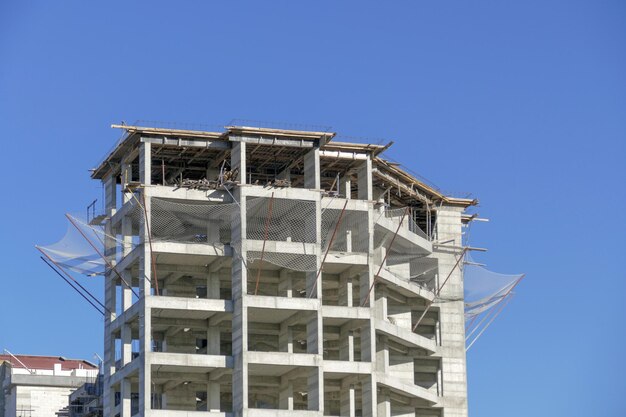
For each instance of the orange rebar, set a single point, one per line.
(406, 210)
(265, 236)
(332, 239)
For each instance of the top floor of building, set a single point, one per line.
(265, 157)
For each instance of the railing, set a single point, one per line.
(408, 222)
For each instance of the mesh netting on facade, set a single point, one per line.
(404, 261)
(485, 293)
(74, 252)
(197, 222)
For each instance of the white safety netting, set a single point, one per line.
(347, 232)
(281, 232)
(485, 294)
(177, 221)
(76, 251)
(404, 260)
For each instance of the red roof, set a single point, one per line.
(46, 362)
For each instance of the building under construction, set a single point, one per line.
(265, 272)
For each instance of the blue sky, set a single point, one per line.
(523, 104)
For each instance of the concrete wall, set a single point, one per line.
(452, 318)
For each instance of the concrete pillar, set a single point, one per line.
(110, 295)
(145, 275)
(213, 231)
(346, 342)
(285, 285)
(345, 186)
(384, 404)
(125, 394)
(213, 396)
(127, 239)
(315, 382)
(381, 303)
(451, 315)
(369, 399)
(126, 177)
(345, 289)
(312, 169)
(238, 161)
(347, 400)
(145, 163)
(285, 338)
(364, 180)
(382, 354)
(127, 348)
(285, 395)
(213, 285)
(240, 309)
(369, 391)
(213, 340)
(368, 343)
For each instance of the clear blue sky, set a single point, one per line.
(521, 103)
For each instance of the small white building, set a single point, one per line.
(39, 386)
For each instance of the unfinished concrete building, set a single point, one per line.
(265, 272)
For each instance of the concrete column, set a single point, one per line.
(285, 395)
(368, 343)
(126, 177)
(345, 186)
(315, 331)
(213, 396)
(369, 401)
(110, 295)
(346, 342)
(145, 275)
(110, 194)
(213, 340)
(213, 285)
(315, 383)
(127, 348)
(382, 354)
(285, 286)
(451, 315)
(125, 394)
(364, 180)
(127, 239)
(238, 161)
(369, 395)
(285, 338)
(347, 400)
(381, 303)
(384, 404)
(240, 309)
(312, 169)
(145, 163)
(345, 289)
